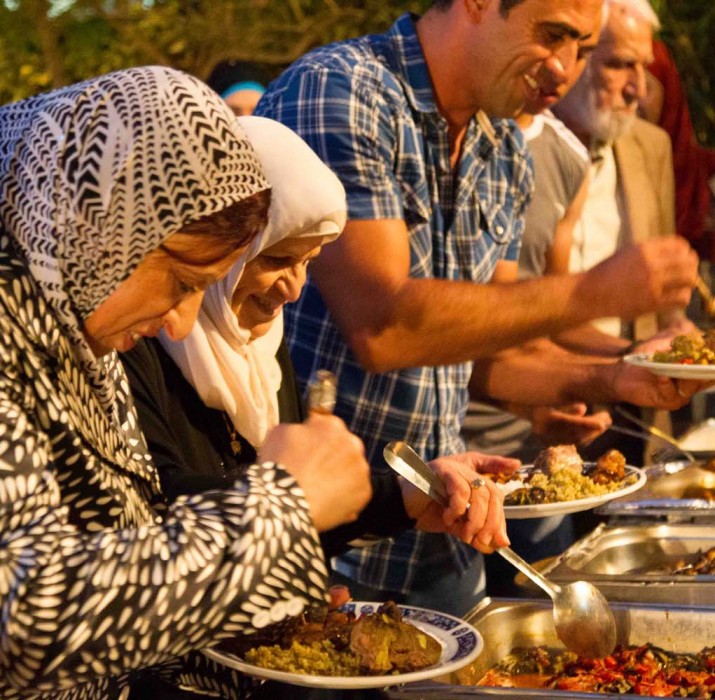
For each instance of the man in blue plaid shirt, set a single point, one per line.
(436, 194)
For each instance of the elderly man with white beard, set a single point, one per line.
(631, 196)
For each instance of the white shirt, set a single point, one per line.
(598, 233)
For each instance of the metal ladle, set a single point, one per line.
(583, 619)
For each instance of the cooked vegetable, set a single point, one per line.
(634, 670)
(696, 348)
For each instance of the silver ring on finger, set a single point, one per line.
(476, 483)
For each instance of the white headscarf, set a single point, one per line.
(229, 372)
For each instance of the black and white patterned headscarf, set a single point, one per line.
(95, 176)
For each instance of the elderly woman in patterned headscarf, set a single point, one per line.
(121, 199)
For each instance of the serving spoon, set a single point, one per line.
(583, 619)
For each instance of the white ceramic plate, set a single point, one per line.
(543, 510)
(672, 369)
(460, 642)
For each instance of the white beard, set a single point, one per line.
(583, 115)
(607, 125)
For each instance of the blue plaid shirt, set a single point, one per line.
(366, 106)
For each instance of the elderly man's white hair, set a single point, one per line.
(639, 8)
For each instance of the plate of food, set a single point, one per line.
(690, 356)
(673, 370)
(361, 645)
(560, 482)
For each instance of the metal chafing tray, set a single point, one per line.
(627, 563)
(675, 491)
(508, 623)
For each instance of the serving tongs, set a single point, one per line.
(650, 430)
(707, 296)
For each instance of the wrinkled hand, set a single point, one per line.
(656, 275)
(482, 524)
(557, 425)
(328, 462)
(643, 388)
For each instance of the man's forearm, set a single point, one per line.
(434, 322)
(543, 373)
(588, 339)
(392, 320)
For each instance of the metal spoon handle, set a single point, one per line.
(322, 390)
(513, 558)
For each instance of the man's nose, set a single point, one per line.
(561, 64)
(636, 88)
(180, 319)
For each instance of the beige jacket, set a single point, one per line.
(647, 189)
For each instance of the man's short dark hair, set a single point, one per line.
(504, 5)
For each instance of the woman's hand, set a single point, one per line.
(328, 462)
(474, 514)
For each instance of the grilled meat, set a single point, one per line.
(384, 643)
(553, 459)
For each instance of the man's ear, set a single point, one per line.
(476, 8)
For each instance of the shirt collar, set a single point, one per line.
(410, 64)
(488, 127)
(597, 150)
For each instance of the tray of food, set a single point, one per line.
(361, 645)
(675, 491)
(560, 482)
(690, 356)
(661, 650)
(664, 563)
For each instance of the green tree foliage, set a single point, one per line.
(58, 43)
(49, 43)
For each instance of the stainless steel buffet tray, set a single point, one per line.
(507, 623)
(628, 563)
(674, 492)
